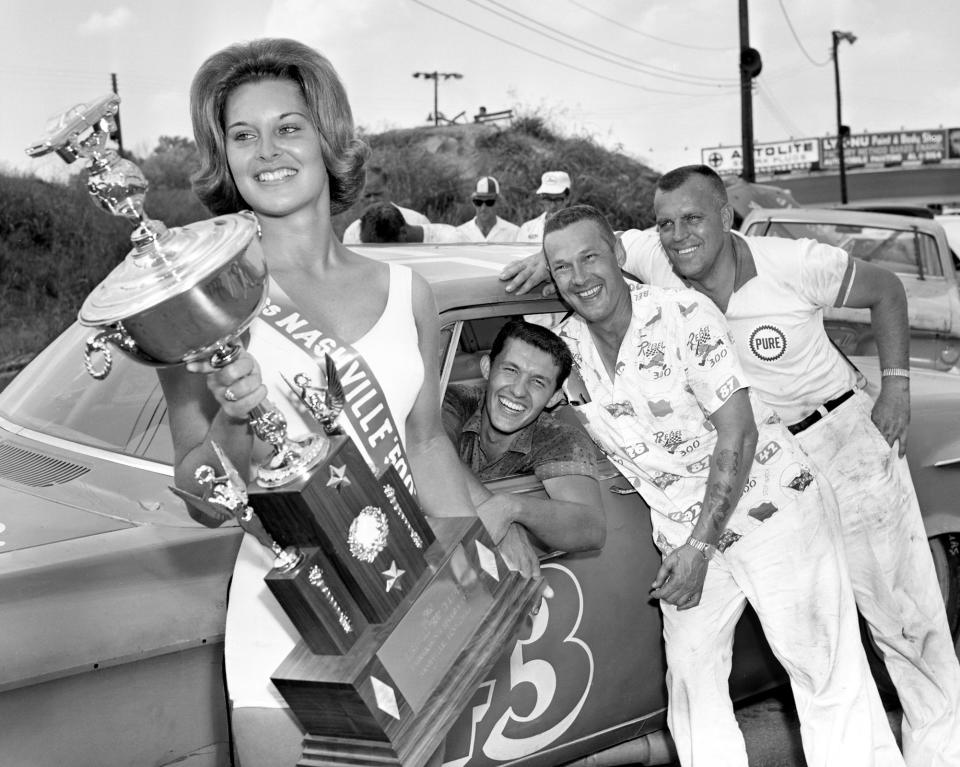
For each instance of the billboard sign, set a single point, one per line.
(953, 143)
(801, 154)
(891, 148)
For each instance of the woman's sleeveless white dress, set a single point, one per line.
(258, 634)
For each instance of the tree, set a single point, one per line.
(171, 163)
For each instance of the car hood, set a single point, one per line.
(54, 491)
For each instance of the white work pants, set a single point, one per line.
(893, 576)
(791, 571)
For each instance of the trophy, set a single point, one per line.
(181, 294)
(401, 618)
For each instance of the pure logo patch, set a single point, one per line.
(768, 343)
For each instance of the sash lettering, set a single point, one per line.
(366, 407)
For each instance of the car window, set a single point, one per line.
(56, 396)
(476, 336)
(903, 251)
(951, 226)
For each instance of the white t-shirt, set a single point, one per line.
(676, 366)
(442, 233)
(532, 230)
(351, 235)
(775, 318)
(502, 231)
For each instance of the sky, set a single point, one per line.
(657, 79)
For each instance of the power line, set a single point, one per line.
(80, 74)
(799, 44)
(549, 58)
(641, 66)
(619, 23)
(778, 112)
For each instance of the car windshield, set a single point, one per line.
(56, 396)
(904, 251)
(951, 225)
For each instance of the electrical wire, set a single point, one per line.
(76, 77)
(640, 65)
(621, 25)
(550, 58)
(799, 44)
(777, 111)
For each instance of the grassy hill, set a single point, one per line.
(55, 245)
(434, 170)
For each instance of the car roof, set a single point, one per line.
(842, 216)
(919, 211)
(465, 274)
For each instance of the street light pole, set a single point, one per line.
(841, 131)
(435, 76)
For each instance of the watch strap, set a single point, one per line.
(889, 372)
(706, 549)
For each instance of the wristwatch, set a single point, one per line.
(707, 549)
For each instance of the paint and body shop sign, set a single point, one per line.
(892, 148)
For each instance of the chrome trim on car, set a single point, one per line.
(87, 451)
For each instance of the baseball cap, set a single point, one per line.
(554, 182)
(487, 189)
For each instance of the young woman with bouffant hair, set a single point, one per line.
(343, 153)
(276, 136)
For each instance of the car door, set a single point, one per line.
(588, 670)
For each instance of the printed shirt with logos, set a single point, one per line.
(676, 366)
(775, 318)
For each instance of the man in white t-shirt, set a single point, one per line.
(553, 195)
(376, 189)
(487, 226)
(384, 223)
(738, 512)
(773, 291)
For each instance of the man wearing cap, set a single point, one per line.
(487, 226)
(553, 194)
(376, 189)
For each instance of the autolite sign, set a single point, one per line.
(801, 154)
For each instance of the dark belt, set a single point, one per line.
(819, 413)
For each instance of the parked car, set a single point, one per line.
(114, 599)
(915, 248)
(951, 227)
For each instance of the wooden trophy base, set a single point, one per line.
(390, 700)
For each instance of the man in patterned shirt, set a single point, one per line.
(504, 428)
(738, 513)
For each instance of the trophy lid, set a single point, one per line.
(174, 263)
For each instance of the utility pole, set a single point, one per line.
(750, 66)
(435, 76)
(118, 134)
(842, 130)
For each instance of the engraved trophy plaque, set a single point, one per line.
(400, 618)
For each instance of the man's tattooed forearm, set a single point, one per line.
(718, 502)
(717, 505)
(727, 461)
